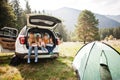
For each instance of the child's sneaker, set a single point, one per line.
(51, 52)
(28, 61)
(36, 60)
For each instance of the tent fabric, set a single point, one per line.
(89, 59)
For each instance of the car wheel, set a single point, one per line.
(55, 57)
(15, 61)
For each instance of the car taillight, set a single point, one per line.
(22, 40)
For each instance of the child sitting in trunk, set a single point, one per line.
(41, 43)
(32, 43)
(49, 43)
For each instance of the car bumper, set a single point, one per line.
(40, 55)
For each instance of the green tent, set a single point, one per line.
(97, 61)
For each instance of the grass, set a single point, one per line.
(114, 43)
(46, 69)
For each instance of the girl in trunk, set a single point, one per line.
(49, 43)
(32, 44)
(41, 43)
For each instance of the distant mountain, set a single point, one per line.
(117, 17)
(70, 17)
(106, 22)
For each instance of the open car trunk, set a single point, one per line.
(42, 32)
(42, 21)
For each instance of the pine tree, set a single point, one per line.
(28, 9)
(62, 31)
(116, 32)
(86, 27)
(7, 17)
(18, 11)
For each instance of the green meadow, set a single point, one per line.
(45, 69)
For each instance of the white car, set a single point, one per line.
(37, 24)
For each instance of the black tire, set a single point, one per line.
(53, 58)
(15, 61)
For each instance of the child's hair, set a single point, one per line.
(46, 34)
(31, 38)
(38, 35)
(31, 33)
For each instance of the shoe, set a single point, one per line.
(36, 60)
(51, 52)
(28, 61)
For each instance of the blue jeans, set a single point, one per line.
(35, 51)
(43, 48)
(49, 48)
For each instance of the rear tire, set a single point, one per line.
(55, 57)
(15, 61)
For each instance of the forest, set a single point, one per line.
(13, 15)
(109, 33)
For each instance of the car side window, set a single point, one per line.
(24, 31)
(8, 32)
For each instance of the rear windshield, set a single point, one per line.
(8, 33)
(42, 20)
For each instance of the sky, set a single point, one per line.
(104, 7)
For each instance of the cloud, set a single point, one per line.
(96, 6)
(49, 4)
(106, 7)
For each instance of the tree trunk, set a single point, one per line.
(84, 41)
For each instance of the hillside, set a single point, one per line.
(70, 16)
(106, 22)
(117, 17)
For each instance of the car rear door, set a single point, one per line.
(7, 39)
(42, 21)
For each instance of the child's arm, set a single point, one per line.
(51, 41)
(29, 41)
(38, 43)
(35, 42)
